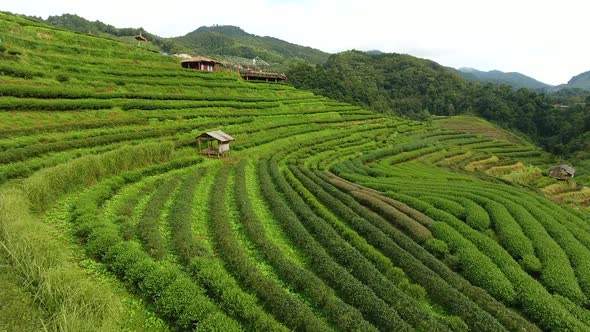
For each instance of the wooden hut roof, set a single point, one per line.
(568, 169)
(199, 59)
(217, 135)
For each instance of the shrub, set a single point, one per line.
(62, 78)
(475, 266)
(292, 312)
(373, 308)
(337, 311)
(437, 247)
(414, 229)
(424, 269)
(148, 228)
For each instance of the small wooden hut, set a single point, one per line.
(199, 63)
(140, 39)
(216, 143)
(562, 172)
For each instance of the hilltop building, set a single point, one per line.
(199, 63)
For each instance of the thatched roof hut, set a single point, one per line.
(217, 143)
(562, 172)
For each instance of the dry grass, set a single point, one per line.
(68, 299)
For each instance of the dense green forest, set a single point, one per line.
(417, 88)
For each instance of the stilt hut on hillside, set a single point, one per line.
(216, 143)
(199, 63)
(252, 75)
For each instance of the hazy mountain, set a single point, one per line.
(581, 81)
(516, 80)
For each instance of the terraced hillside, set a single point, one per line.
(324, 217)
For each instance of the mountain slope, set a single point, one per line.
(581, 81)
(233, 41)
(325, 216)
(416, 88)
(213, 41)
(516, 80)
(80, 24)
(389, 83)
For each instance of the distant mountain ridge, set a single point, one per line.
(516, 80)
(581, 81)
(214, 40)
(233, 41)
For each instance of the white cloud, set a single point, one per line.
(544, 39)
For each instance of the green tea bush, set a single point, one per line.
(359, 295)
(289, 310)
(476, 266)
(510, 234)
(338, 312)
(148, 228)
(407, 307)
(414, 229)
(425, 269)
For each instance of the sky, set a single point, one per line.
(547, 40)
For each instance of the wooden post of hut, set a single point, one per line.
(217, 143)
(140, 39)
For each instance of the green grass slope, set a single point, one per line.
(223, 42)
(325, 216)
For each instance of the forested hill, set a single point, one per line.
(417, 88)
(516, 80)
(80, 24)
(231, 40)
(389, 83)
